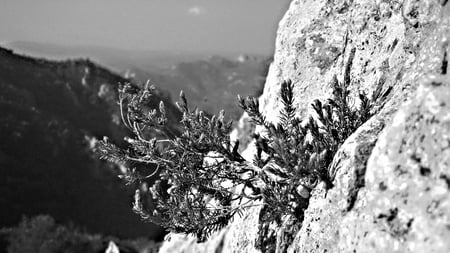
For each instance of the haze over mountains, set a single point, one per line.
(210, 82)
(115, 58)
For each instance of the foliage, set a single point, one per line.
(201, 166)
(42, 235)
(209, 182)
(299, 153)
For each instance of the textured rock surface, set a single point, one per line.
(405, 204)
(238, 237)
(391, 189)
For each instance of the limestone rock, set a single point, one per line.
(112, 248)
(405, 204)
(239, 236)
(392, 176)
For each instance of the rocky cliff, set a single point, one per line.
(392, 176)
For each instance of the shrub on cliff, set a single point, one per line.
(209, 182)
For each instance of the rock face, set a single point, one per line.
(392, 176)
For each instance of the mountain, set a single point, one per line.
(114, 58)
(51, 113)
(211, 84)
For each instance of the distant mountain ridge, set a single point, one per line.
(50, 113)
(117, 59)
(211, 84)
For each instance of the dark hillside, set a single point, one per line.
(50, 114)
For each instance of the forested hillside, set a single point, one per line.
(51, 113)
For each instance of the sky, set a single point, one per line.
(246, 26)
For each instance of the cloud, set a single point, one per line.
(196, 10)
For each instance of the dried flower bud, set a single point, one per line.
(303, 192)
(161, 107)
